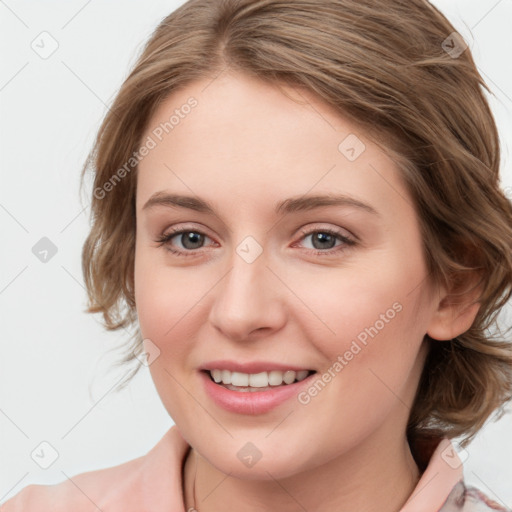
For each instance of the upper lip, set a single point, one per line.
(250, 367)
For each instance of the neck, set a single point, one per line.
(374, 476)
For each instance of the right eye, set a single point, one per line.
(192, 238)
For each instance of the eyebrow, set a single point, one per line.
(290, 205)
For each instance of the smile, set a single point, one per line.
(238, 381)
(253, 393)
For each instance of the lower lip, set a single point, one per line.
(251, 402)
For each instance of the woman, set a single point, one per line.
(298, 204)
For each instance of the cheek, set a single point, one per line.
(168, 303)
(371, 367)
(165, 299)
(359, 304)
(158, 301)
(368, 324)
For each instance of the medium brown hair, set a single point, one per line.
(384, 65)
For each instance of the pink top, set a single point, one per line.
(136, 486)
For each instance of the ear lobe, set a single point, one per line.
(456, 311)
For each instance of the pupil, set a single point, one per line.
(189, 238)
(323, 237)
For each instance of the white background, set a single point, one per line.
(54, 364)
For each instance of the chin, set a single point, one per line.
(235, 461)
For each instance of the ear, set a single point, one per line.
(456, 308)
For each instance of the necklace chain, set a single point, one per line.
(193, 508)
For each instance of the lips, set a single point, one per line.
(245, 399)
(251, 367)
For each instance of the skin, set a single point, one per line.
(243, 148)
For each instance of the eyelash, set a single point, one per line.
(166, 238)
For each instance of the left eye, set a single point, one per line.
(322, 237)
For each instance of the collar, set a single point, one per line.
(443, 472)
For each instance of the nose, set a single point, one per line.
(249, 299)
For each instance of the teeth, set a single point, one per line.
(302, 374)
(258, 380)
(239, 379)
(289, 376)
(275, 378)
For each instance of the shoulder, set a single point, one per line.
(483, 502)
(132, 486)
(466, 498)
(85, 492)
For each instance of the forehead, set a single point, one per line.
(236, 136)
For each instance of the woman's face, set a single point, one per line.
(276, 276)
